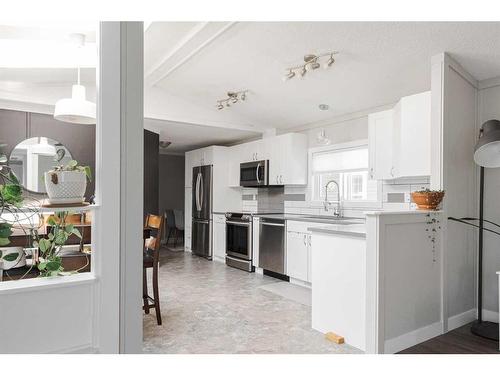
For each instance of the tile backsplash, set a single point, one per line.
(396, 195)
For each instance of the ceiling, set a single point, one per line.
(190, 65)
(378, 62)
(186, 137)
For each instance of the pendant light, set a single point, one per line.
(77, 109)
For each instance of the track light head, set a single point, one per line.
(329, 62)
(303, 71)
(243, 96)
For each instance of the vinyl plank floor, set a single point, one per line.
(208, 307)
(458, 341)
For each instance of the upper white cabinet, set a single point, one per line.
(412, 136)
(380, 129)
(287, 156)
(399, 139)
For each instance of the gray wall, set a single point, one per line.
(16, 126)
(171, 182)
(489, 108)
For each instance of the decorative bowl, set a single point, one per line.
(427, 200)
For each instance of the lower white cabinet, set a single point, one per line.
(298, 250)
(298, 255)
(219, 237)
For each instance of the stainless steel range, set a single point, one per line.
(239, 241)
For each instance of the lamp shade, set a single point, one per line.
(487, 150)
(77, 109)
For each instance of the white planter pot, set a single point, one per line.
(20, 260)
(65, 186)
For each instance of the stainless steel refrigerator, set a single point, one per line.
(201, 229)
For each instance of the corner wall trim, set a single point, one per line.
(413, 338)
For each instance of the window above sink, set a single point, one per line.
(347, 164)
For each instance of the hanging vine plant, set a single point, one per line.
(16, 212)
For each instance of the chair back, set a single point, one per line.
(170, 218)
(179, 219)
(155, 224)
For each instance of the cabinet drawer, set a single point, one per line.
(301, 226)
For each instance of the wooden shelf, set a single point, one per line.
(43, 210)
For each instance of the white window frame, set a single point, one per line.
(345, 204)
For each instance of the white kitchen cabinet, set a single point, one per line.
(380, 145)
(252, 151)
(235, 157)
(219, 237)
(297, 246)
(255, 242)
(188, 169)
(298, 249)
(412, 136)
(187, 218)
(287, 159)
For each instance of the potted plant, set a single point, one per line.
(427, 199)
(11, 199)
(11, 209)
(67, 184)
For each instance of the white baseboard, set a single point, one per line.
(81, 349)
(413, 338)
(491, 316)
(219, 259)
(461, 319)
(298, 282)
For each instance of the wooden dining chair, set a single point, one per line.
(151, 259)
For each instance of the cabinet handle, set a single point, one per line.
(305, 239)
(281, 179)
(309, 239)
(392, 171)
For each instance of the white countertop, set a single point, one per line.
(353, 230)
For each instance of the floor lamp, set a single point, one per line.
(486, 155)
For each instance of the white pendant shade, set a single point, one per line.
(77, 109)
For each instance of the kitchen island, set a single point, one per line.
(379, 285)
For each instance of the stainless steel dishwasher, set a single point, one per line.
(272, 253)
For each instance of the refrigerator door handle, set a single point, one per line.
(201, 192)
(197, 192)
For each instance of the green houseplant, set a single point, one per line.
(427, 199)
(10, 200)
(11, 205)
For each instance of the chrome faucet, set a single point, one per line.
(337, 212)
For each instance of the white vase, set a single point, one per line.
(20, 261)
(65, 186)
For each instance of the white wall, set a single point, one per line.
(453, 120)
(489, 108)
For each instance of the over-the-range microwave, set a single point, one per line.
(254, 173)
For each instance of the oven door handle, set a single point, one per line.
(272, 224)
(257, 173)
(238, 223)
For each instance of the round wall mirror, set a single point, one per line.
(31, 158)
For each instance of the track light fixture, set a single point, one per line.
(311, 62)
(232, 97)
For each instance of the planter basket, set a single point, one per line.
(65, 187)
(427, 200)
